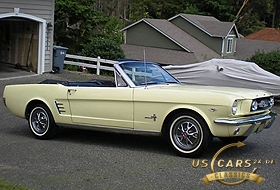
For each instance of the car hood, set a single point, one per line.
(243, 93)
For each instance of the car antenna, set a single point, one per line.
(145, 65)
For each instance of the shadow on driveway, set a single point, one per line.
(9, 71)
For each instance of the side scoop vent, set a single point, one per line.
(60, 107)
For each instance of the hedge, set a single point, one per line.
(268, 61)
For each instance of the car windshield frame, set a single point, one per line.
(141, 73)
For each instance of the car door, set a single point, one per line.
(149, 109)
(102, 106)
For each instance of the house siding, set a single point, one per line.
(233, 51)
(233, 35)
(144, 35)
(40, 8)
(215, 43)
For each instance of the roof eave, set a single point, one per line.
(236, 31)
(133, 24)
(174, 17)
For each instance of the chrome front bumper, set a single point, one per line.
(257, 124)
(271, 116)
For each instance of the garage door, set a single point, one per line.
(19, 43)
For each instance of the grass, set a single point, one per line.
(4, 185)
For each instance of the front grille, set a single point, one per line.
(260, 104)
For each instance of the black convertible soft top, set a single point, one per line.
(93, 83)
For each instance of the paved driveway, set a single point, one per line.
(78, 159)
(8, 71)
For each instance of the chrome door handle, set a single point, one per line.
(71, 90)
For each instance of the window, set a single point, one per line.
(119, 80)
(229, 45)
(141, 73)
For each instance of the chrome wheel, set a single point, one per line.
(186, 134)
(189, 134)
(39, 121)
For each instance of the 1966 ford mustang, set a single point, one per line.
(144, 98)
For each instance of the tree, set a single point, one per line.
(74, 22)
(258, 14)
(103, 47)
(106, 43)
(249, 24)
(223, 10)
(78, 25)
(78, 22)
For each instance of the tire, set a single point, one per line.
(189, 134)
(41, 122)
(229, 140)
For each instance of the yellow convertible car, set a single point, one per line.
(144, 98)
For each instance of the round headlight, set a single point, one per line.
(254, 105)
(271, 101)
(234, 107)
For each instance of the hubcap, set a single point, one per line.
(186, 134)
(39, 121)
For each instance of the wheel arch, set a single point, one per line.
(174, 112)
(32, 104)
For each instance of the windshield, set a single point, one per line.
(146, 74)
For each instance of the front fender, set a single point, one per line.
(208, 113)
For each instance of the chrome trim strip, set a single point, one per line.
(242, 122)
(109, 129)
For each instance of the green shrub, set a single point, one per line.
(71, 67)
(268, 61)
(106, 44)
(103, 47)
